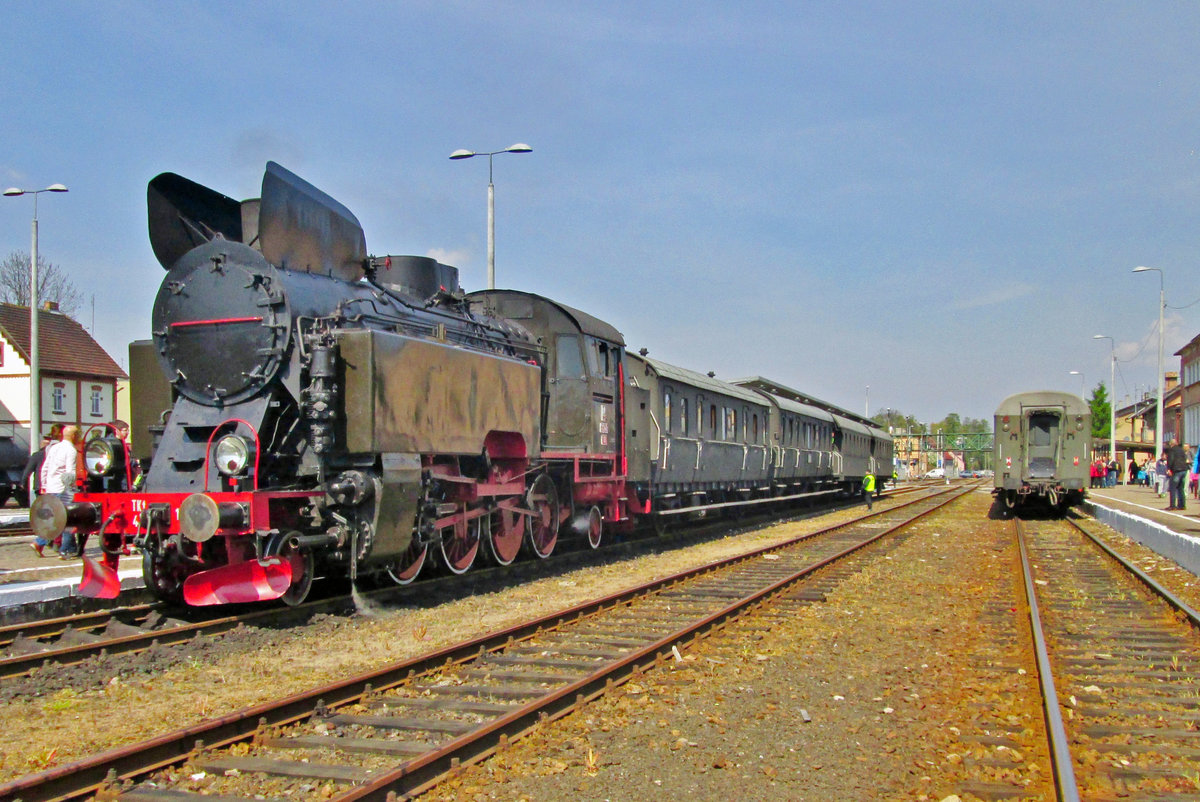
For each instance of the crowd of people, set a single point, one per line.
(57, 469)
(1174, 474)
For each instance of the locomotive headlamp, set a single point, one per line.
(103, 456)
(233, 453)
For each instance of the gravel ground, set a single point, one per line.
(63, 713)
(863, 696)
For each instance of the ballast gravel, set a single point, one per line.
(861, 696)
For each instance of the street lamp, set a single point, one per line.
(35, 390)
(1162, 306)
(1112, 399)
(1080, 375)
(520, 147)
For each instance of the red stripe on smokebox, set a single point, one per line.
(217, 321)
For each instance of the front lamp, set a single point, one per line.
(233, 454)
(103, 456)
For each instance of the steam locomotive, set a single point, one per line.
(316, 410)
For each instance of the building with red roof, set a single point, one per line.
(78, 378)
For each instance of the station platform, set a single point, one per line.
(26, 578)
(1143, 501)
(1138, 513)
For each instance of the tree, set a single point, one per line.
(1101, 408)
(53, 283)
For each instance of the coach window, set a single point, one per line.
(730, 424)
(700, 416)
(667, 411)
(683, 417)
(754, 428)
(712, 421)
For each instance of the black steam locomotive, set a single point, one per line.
(324, 410)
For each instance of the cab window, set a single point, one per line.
(602, 357)
(570, 360)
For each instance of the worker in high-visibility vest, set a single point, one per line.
(869, 487)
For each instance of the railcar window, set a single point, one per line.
(755, 427)
(712, 422)
(667, 411)
(569, 363)
(730, 424)
(700, 416)
(683, 417)
(1040, 427)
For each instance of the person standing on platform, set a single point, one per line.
(59, 471)
(1178, 464)
(1160, 475)
(33, 467)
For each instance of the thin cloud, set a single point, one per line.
(997, 296)
(454, 258)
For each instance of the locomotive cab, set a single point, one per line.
(580, 383)
(582, 409)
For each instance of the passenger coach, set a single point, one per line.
(1042, 449)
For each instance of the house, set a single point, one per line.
(78, 378)
(1189, 380)
(1136, 421)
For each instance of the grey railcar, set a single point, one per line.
(708, 442)
(802, 453)
(1042, 449)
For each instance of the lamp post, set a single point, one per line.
(520, 147)
(1112, 400)
(1158, 412)
(35, 390)
(1080, 375)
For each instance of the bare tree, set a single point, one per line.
(53, 283)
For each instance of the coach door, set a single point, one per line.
(1042, 436)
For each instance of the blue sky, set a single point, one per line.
(940, 201)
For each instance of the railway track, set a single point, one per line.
(401, 728)
(1123, 709)
(72, 639)
(19, 530)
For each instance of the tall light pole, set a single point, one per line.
(1162, 306)
(520, 147)
(35, 389)
(1112, 400)
(1078, 373)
